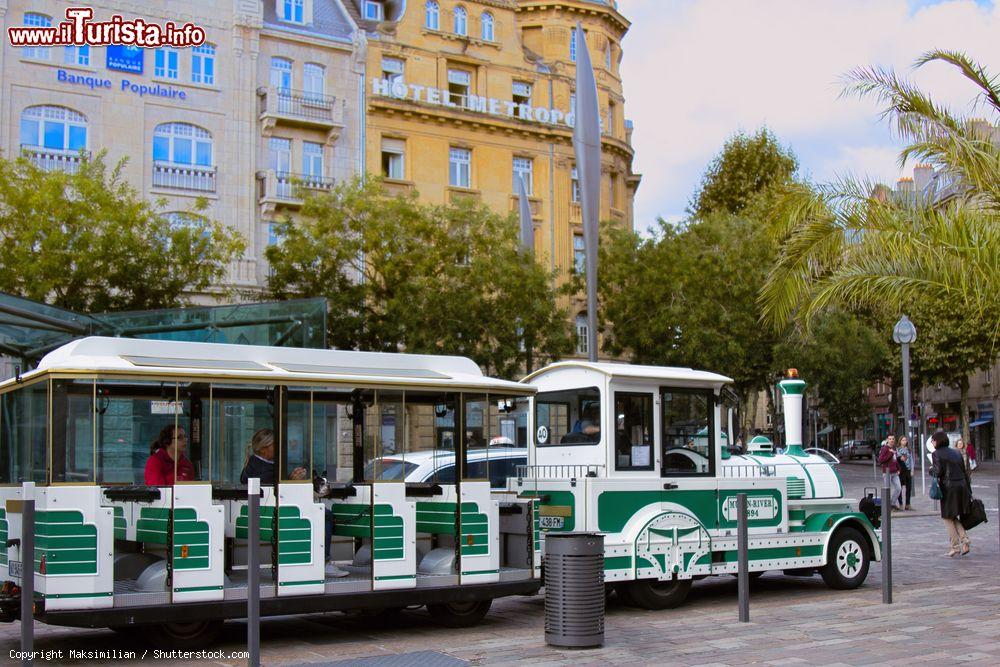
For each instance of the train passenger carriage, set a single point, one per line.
(113, 549)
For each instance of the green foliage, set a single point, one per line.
(88, 242)
(687, 297)
(747, 166)
(436, 279)
(839, 357)
(853, 244)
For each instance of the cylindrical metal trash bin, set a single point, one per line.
(574, 589)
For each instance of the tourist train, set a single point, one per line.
(393, 483)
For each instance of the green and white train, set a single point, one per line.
(633, 452)
(655, 477)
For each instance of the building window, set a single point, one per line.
(579, 254)
(313, 81)
(184, 220)
(293, 11)
(609, 126)
(182, 143)
(459, 83)
(55, 128)
(989, 376)
(572, 103)
(460, 167)
(312, 159)
(582, 334)
(461, 21)
(574, 186)
(273, 237)
(688, 443)
(165, 63)
(279, 154)
(520, 94)
(203, 64)
(523, 167)
(392, 69)
(432, 15)
(393, 151)
(77, 55)
(281, 74)
(36, 20)
(607, 57)
(572, 44)
(373, 10)
(486, 25)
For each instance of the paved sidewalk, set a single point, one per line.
(946, 610)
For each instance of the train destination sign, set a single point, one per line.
(400, 90)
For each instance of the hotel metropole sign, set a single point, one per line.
(400, 90)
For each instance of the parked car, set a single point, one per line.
(857, 449)
(496, 463)
(823, 454)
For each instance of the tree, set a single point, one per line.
(402, 276)
(703, 278)
(747, 166)
(852, 244)
(87, 241)
(703, 275)
(839, 357)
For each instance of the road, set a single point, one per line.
(945, 610)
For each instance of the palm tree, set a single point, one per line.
(857, 244)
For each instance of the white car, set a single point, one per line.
(437, 465)
(823, 454)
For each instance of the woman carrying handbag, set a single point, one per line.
(952, 476)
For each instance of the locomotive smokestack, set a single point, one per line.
(792, 389)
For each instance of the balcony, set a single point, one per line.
(457, 194)
(297, 108)
(172, 176)
(286, 189)
(54, 159)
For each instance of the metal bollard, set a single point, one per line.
(574, 589)
(253, 572)
(27, 571)
(886, 546)
(743, 557)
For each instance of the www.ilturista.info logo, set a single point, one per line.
(78, 29)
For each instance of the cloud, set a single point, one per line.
(697, 71)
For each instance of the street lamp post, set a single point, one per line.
(904, 334)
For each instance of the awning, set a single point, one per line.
(980, 422)
(826, 430)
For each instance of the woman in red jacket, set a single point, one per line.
(166, 456)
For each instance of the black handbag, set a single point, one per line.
(974, 515)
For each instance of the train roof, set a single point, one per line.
(132, 356)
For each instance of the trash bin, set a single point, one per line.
(574, 589)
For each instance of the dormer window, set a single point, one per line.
(373, 10)
(292, 11)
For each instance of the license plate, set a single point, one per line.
(14, 568)
(551, 521)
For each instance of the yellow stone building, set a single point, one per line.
(463, 96)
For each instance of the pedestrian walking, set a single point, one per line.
(970, 450)
(905, 458)
(953, 479)
(961, 449)
(890, 471)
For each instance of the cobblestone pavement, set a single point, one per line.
(946, 610)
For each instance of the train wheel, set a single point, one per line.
(183, 636)
(847, 560)
(653, 594)
(459, 614)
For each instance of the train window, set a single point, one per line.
(569, 417)
(633, 431)
(688, 445)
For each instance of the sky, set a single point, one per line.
(696, 72)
